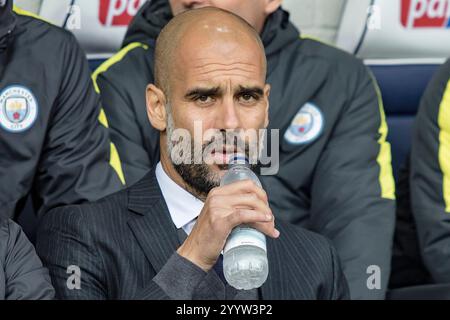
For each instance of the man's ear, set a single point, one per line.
(156, 107)
(266, 97)
(272, 6)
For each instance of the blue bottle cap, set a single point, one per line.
(238, 159)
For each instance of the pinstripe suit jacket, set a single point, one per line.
(121, 242)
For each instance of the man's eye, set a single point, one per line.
(204, 99)
(247, 97)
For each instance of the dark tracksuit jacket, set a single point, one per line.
(52, 144)
(425, 191)
(335, 173)
(22, 276)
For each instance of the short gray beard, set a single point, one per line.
(199, 178)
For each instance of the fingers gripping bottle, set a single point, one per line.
(245, 264)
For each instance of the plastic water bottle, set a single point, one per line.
(245, 264)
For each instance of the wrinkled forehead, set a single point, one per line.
(220, 51)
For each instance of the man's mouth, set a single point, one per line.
(223, 156)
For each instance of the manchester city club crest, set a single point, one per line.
(306, 126)
(18, 109)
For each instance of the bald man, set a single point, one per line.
(335, 176)
(162, 238)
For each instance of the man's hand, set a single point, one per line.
(225, 208)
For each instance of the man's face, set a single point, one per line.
(217, 87)
(253, 11)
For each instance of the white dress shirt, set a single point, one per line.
(184, 208)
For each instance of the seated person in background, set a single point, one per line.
(52, 144)
(162, 237)
(22, 275)
(424, 199)
(335, 175)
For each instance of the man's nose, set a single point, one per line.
(229, 116)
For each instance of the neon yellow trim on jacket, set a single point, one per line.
(384, 158)
(23, 12)
(115, 158)
(444, 145)
(113, 60)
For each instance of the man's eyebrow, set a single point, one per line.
(195, 92)
(251, 90)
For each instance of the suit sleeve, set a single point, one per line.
(66, 248)
(78, 163)
(353, 189)
(65, 241)
(178, 279)
(340, 290)
(430, 175)
(122, 101)
(26, 278)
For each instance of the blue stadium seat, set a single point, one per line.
(95, 63)
(402, 87)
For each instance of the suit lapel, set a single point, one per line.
(157, 236)
(274, 288)
(151, 223)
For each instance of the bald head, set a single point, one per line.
(207, 28)
(210, 72)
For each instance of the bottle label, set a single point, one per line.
(245, 236)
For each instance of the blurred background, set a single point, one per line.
(372, 29)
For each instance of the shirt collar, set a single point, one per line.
(184, 208)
